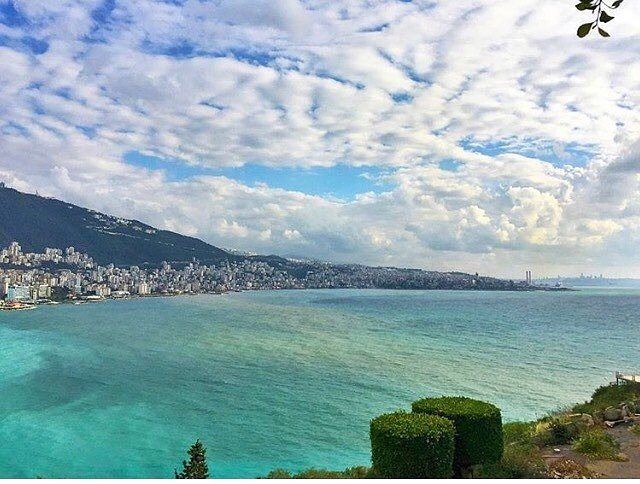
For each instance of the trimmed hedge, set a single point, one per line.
(478, 427)
(406, 445)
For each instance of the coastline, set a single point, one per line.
(89, 300)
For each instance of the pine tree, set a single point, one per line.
(197, 467)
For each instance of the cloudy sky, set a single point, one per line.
(479, 135)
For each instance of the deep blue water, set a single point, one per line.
(285, 379)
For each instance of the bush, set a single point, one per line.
(519, 461)
(560, 429)
(405, 445)
(609, 396)
(358, 472)
(279, 474)
(518, 432)
(319, 474)
(595, 443)
(478, 425)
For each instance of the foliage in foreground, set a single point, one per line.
(412, 445)
(524, 442)
(478, 425)
(570, 469)
(608, 396)
(595, 443)
(197, 467)
(349, 473)
(557, 430)
(518, 432)
(521, 458)
(602, 15)
(519, 461)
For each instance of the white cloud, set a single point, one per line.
(494, 88)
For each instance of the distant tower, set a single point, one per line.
(528, 277)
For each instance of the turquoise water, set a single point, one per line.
(284, 379)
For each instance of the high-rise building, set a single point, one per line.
(15, 249)
(18, 293)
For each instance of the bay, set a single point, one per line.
(285, 379)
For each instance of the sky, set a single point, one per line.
(475, 135)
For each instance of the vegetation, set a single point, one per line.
(197, 467)
(518, 432)
(422, 443)
(595, 443)
(557, 430)
(478, 425)
(521, 458)
(519, 461)
(608, 396)
(39, 222)
(570, 469)
(349, 473)
(602, 13)
(411, 445)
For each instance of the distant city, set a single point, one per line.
(590, 280)
(58, 275)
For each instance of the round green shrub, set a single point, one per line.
(478, 428)
(412, 446)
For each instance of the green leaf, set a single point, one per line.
(584, 29)
(586, 5)
(616, 4)
(603, 33)
(605, 17)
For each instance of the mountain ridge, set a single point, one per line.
(38, 222)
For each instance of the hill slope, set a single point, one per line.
(38, 222)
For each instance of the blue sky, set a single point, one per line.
(339, 181)
(483, 137)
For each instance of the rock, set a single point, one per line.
(612, 414)
(587, 420)
(624, 411)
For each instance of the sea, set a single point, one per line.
(285, 379)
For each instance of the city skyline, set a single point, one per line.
(66, 274)
(484, 136)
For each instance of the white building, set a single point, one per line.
(18, 293)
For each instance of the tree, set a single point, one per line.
(601, 11)
(197, 467)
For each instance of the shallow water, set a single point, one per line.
(285, 379)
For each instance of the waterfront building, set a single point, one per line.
(19, 293)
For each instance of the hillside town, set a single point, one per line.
(60, 275)
(57, 275)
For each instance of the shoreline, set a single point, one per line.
(81, 301)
